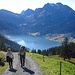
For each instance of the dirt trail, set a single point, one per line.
(31, 67)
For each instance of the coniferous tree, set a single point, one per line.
(65, 52)
(44, 52)
(72, 49)
(33, 50)
(39, 51)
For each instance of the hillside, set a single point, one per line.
(51, 66)
(50, 19)
(8, 43)
(9, 22)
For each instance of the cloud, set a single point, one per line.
(21, 42)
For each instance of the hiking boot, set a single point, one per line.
(12, 66)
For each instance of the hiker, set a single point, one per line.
(22, 53)
(9, 58)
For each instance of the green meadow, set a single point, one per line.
(51, 65)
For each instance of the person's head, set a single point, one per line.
(9, 49)
(22, 47)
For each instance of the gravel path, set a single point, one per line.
(31, 67)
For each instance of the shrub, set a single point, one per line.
(2, 62)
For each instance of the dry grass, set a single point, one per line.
(59, 58)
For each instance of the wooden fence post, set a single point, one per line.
(60, 67)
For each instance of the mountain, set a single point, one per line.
(28, 12)
(11, 17)
(52, 18)
(8, 28)
(9, 22)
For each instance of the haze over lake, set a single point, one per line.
(35, 42)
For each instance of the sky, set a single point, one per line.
(17, 6)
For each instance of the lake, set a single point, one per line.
(34, 42)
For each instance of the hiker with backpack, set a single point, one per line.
(22, 53)
(9, 58)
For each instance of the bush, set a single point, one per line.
(2, 63)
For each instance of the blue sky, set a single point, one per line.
(17, 6)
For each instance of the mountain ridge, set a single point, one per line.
(51, 18)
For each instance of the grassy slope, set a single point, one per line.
(51, 66)
(2, 55)
(2, 69)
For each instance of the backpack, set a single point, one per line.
(7, 58)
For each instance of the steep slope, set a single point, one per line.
(9, 22)
(11, 17)
(8, 28)
(8, 43)
(52, 18)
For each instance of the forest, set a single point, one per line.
(66, 50)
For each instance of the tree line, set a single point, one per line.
(66, 50)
